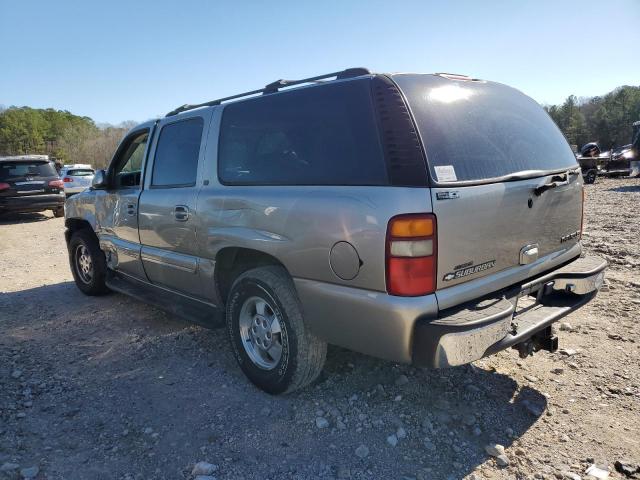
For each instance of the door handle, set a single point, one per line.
(181, 213)
(131, 209)
(556, 181)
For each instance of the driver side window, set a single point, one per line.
(128, 169)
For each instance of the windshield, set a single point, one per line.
(475, 130)
(18, 170)
(80, 173)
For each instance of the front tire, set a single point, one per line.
(88, 263)
(590, 178)
(270, 341)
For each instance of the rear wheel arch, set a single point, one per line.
(231, 262)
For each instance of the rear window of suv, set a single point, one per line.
(477, 131)
(80, 173)
(320, 135)
(19, 170)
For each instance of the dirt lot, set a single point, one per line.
(109, 388)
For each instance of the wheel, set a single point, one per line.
(58, 212)
(270, 341)
(88, 264)
(591, 177)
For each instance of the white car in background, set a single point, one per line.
(76, 178)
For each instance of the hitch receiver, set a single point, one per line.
(543, 340)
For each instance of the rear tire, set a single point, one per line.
(270, 341)
(88, 263)
(58, 212)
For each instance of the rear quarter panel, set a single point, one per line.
(298, 224)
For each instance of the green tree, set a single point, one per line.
(606, 120)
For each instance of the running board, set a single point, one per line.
(202, 313)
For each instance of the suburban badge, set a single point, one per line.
(463, 272)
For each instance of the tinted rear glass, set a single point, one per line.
(478, 130)
(323, 135)
(80, 173)
(18, 170)
(176, 160)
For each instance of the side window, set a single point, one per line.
(127, 171)
(176, 159)
(323, 135)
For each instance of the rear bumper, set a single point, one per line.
(466, 333)
(32, 203)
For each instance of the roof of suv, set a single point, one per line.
(25, 158)
(274, 87)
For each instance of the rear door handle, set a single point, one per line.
(556, 181)
(181, 213)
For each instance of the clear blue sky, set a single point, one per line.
(133, 60)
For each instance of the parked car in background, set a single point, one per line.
(425, 219)
(76, 178)
(30, 183)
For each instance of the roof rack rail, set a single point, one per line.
(274, 87)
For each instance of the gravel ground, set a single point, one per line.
(109, 388)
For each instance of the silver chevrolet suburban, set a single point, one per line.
(425, 219)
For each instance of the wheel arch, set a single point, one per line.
(73, 225)
(232, 262)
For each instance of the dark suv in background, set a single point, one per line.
(30, 183)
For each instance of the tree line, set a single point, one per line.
(606, 120)
(59, 134)
(74, 139)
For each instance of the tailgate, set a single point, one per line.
(488, 228)
(506, 189)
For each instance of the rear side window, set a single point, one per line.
(176, 160)
(324, 135)
(19, 170)
(477, 131)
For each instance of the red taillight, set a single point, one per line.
(4, 186)
(411, 255)
(56, 183)
(67, 179)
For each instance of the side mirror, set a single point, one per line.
(99, 180)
